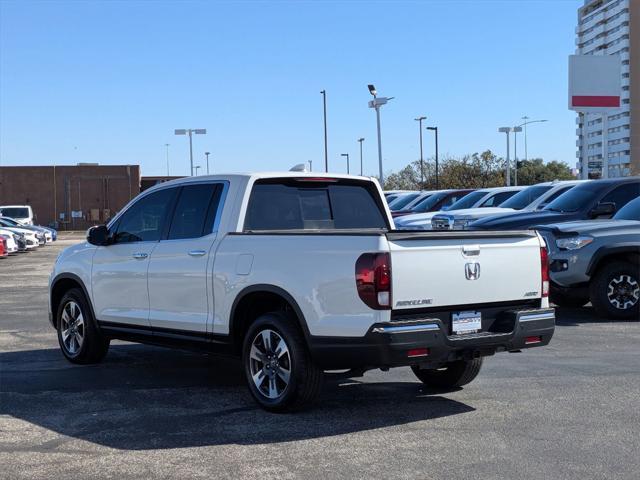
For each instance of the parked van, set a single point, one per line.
(21, 213)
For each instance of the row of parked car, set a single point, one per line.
(17, 232)
(591, 229)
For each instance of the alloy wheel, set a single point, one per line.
(72, 327)
(270, 364)
(623, 292)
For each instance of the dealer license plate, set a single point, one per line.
(466, 322)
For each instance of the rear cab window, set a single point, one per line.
(314, 204)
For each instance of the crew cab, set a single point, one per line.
(299, 274)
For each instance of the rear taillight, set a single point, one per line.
(544, 265)
(373, 280)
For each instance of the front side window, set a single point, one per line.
(298, 205)
(525, 197)
(144, 220)
(195, 211)
(622, 194)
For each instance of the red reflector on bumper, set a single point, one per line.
(530, 340)
(418, 352)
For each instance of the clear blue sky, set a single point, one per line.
(108, 82)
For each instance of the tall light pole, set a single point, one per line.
(167, 147)
(207, 155)
(360, 140)
(310, 165)
(376, 103)
(196, 167)
(516, 130)
(419, 120)
(324, 106)
(346, 155)
(507, 181)
(190, 132)
(524, 124)
(435, 130)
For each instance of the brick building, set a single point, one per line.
(74, 197)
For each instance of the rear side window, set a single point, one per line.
(623, 194)
(298, 205)
(144, 220)
(195, 210)
(498, 198)
(557, 193)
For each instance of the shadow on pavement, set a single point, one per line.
(145, 397)
(574, 317)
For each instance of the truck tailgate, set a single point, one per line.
(440, 269)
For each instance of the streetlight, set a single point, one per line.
(516, 130)
(190, 131)
(527, 122)
(419, 120)
(324, 105)
(310, 165)
(376, 103)
(196, 167)
(435, 130)
(346, 155)
(167, 146)
(207, 155)
(507, 130)
(360, 140)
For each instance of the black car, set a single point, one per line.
(596, 199)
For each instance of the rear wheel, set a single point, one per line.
(280, 372)
(615, 291)
(79, 339)
(453, 374)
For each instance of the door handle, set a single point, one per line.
(140, 255)
(197, 253)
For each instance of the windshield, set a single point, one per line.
(468, 200)
(428, 203)
(15, 212)
(631, 211)
(573, 200)
(400, 202)
(525, 197)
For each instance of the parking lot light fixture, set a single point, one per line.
(420, 120)
(376, 103)
(207, 155)
(167, 147)
(190, 132)
(360, 140)
(524, 124)
(516, 130)
(507, 180)
(435, 130)
(346, 155)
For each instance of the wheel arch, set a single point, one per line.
(60, 285)
(627, 252)
(257, 300)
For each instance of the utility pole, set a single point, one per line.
(419, 120)
(324, 106)
(360, 140)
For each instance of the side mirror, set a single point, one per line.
(98, 235)
(603, 209)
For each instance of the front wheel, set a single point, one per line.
(453, 374)
(79, 338)
(280, 372)
(615, 291)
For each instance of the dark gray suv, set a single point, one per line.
(597, 261)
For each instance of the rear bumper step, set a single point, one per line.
(390, 344)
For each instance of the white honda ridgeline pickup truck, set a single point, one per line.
(299, 274)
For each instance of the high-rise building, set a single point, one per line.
(612, 27)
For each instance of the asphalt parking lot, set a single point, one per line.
(569, 410)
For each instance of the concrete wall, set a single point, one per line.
(98, 191)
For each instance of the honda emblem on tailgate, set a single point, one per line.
(472, 271)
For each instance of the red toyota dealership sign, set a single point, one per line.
(594, 83)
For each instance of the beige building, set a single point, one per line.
(612, 27)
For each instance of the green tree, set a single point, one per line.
(535, 171)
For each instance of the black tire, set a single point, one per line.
(454, 374)
(614, 285)
(85, 344)
(568, 301)
(304, 378)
